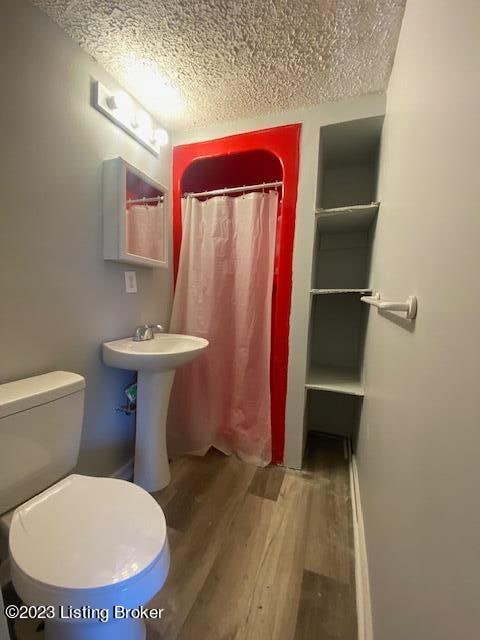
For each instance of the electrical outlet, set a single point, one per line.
(131, 281)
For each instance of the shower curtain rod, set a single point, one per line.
(219, 192)
(142, 200)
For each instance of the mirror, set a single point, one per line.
(136, 220)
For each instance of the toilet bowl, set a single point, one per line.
(86, 553)
(95, 548)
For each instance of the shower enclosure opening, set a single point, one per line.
(255, 158)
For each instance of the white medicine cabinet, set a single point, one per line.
(135, 216)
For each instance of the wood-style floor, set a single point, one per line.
(259, 554)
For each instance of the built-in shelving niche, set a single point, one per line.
(344, 230)
(336, 343)
(348, 163)
(333, 413)
(343, 242)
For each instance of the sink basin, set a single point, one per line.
(156, 361)
(165, 352)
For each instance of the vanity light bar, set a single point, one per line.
(127, 114)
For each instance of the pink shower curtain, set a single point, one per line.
(145, 231)
(224, 294)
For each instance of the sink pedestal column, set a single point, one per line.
(151, 470)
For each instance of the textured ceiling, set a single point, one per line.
(226, 59)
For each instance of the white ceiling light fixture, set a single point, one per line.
(120, 108)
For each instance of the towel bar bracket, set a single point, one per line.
(409, 307)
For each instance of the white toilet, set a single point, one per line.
(80, 544)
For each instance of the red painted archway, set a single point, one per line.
(283, 143)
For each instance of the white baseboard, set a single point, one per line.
(125, 472)
(362, 584)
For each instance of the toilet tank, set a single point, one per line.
(40, 429)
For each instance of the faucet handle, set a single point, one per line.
(156, 328)
(143, 332)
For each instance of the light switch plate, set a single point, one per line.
(131, 281)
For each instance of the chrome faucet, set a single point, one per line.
(157, 328)
(147, 331)
(143, 332)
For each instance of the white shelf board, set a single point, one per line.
(336, 379)
(354, 218)
(323, 292)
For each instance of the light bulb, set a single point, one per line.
(160, 137)
(121, 101)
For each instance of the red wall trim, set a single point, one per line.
(284, 143)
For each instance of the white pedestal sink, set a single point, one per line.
(156, 361)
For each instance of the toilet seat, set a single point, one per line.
(89, 541)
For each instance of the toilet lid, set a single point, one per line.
(87, 532)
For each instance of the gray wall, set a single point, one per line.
(418, 454)
(59, 299)
(343, 186)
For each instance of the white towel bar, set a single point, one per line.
(409, 307)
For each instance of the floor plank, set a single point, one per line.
(223, 600)
(193, 489)
(329, 539)
(267, 482)
(326, 610)
(201, 541)
(272, 609)
(180, 467)
(174, 538)
(326, 460)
